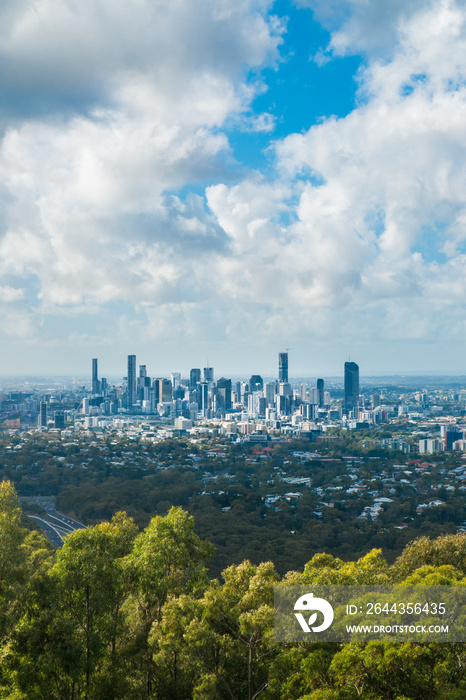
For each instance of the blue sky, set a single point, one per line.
(226, 179)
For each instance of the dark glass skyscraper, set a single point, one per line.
(283, 367)
(131, 382)
(42, 419)
(95, 377)
(320, 392)
(224, 393)
(256, 383)
(194, 378)
(351, 382)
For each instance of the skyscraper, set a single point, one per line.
(176, 379)
(283, 367)
(59, 420)
(351, 383)
(256, 383)
(224, 393)
(42, 418)
(270, 389)
(320, 392)
(131, 382)
(194, 378)
(165, 390)
(208, 374)
(95, 377)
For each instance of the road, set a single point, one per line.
(56, 525)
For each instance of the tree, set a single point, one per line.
(224, 641)
(445, 550)
(66, 645)
(167, 560)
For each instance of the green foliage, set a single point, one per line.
(445, 550)
(225, 639)
(121, 615)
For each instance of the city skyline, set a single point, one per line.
(225, 180)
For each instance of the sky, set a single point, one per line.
(218, 181)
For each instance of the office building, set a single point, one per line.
(176, 379)
(194, 378)
(202, 391)
(320, 392)
(95, 377)
(59, 420)
(452, 436)
(131, 382)
(351, 386)
(283, 367)
(224, 393)
(165, 391)
(256, 383)
(208, 374)
(270, 389)
(42, 418)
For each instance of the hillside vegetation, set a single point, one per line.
(123, 613)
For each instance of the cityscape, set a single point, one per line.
(382, 458)
(255, 410)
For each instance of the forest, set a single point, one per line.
(230, 491)
(120, 612)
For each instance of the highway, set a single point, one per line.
(56, 525)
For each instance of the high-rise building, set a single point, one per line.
(165, 390)
(208, 374)
(59, 420)
(270, 389)
(95, 377)
(256, 383)
(203, 397)
(42, 418)
(176, 379)
(351, 386)
(320, 392)
(452, 436)
(224, 393)
(283, 367)
(194, 378)
(131, 382)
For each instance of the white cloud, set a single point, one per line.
(357, 230)
(67, 54)
(379, 227)
(127, 102)
(367, 26)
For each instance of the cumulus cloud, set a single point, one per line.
(365, 26)
(75, 55)
(125, 103)
(117, 174)
(375, 201)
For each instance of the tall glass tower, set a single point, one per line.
(131, 379)
(283, 367)
(351, 382)
(95, 377)
(320, 392)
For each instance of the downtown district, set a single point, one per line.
(244, 411)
